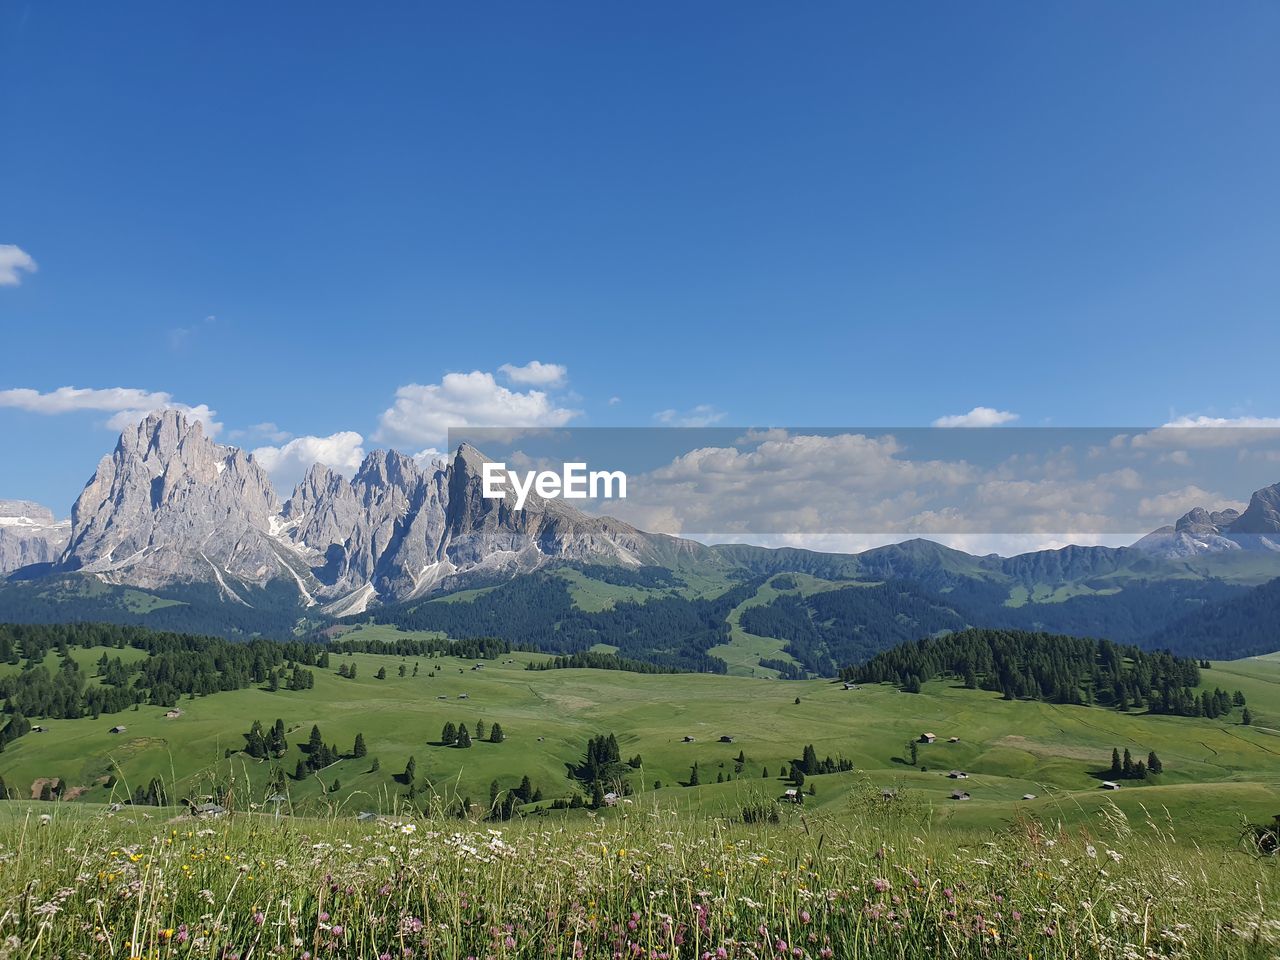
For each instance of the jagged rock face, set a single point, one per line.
(1263, 513)
(1200, 531)
(29, 534)
(170, 505)
(406, 531)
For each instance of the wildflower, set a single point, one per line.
(409, 828)
(881, 885)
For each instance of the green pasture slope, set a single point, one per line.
(1217, 772)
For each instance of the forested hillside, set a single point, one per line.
(1053, 668)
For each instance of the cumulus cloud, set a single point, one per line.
(877, 486)
(535, 373)
(1174, 503)
(1208, 432)
(14, 261)
(127, 405)
(288, 463)
(977, 417)
(424, 413)
(703, 415)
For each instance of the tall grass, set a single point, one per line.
(638, 882)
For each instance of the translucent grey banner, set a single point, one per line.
(887, 483)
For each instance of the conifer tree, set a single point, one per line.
(495, 733)
(464, 738)
(359, 749)
(1153, 763)
(449, 735)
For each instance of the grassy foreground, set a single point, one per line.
(875, 882)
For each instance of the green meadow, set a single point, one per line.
(1217, 773)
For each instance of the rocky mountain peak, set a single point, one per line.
(169, 504)
(1263, 513)
(387, 468)
(29, 534)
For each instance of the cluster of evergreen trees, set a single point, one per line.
(593, 660)
(298, 679)
(811, 766)
(1127, 769)
(602, 768)
(318, 754)
(460, 736)
(1042, 666)
(786, 669)
(503, 803)
(470, 648)
(260, 745)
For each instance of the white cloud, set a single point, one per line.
(977, 417)
(1208, 432)
(127, 405)
(875, 486)
(1252, 423)
(1172, 504)
(535, 373)
(424, 413)
(287, 464)
(13, 261)
(614, 401)
(703, 415)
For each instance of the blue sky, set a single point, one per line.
(723, 212)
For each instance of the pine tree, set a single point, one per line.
(495, 733)
(1154, 764)
(1127, 766)
(315, 742)
(402, 670)
(449, 735)
(381, 674)
(359, 749)
(1246, 718)
(481, 732)
(464, 738)
(809, 761)
(410, 770)
(693, 776)
(1117, 771)
(764, 773)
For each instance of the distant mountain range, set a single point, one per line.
(175, 529)
(29, 534)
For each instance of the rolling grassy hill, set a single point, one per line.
(1216, 771)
